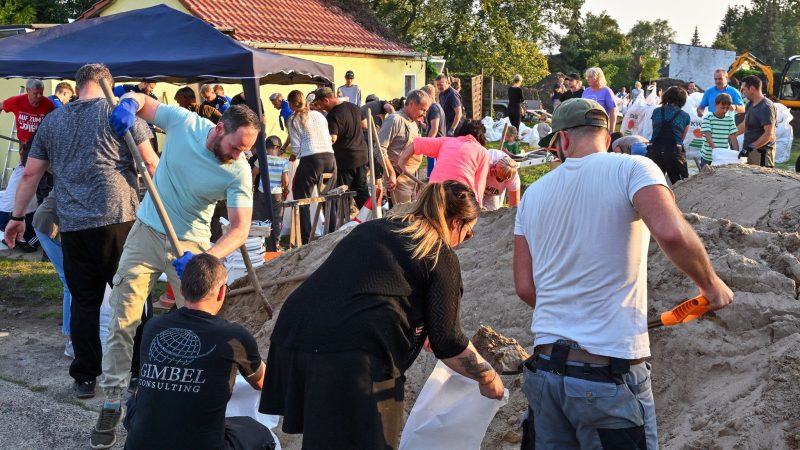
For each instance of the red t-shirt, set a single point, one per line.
(28, 117)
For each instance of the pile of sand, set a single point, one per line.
(723, 381)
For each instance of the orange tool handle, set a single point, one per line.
(685, 312)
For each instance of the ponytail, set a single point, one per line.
(298, 103)
(428, 222)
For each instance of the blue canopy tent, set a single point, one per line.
(161, 44)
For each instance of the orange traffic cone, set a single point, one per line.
(167, 299)
(362, 216)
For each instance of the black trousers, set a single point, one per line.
(306, 178)
(356, 180)
(671, 162)
(241, 432)
(90, 261)
(514, 117)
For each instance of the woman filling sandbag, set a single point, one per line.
(345, 337)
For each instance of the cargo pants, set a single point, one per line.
(572, 413)
(146, 255)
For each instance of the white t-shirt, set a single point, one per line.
(494, 189)
(312, 138)
(8, 196)
(589, 250)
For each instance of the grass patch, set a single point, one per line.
(527, 175)
(29, 280)
(23, 383)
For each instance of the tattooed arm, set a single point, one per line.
(472, 365)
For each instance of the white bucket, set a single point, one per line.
(722, 156)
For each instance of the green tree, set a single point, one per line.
(724, 42)
(588, 40)
(16, 12)
(652, 39)
(696, 38)
(503, 37)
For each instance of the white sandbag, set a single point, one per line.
(533, 138)
(652, 98)
(694, 137)
(783, 142)
(633, 116)
(723, 156)
(645, 126)
(449, 414)
(784, 133)
(244, 402)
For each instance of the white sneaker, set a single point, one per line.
(68, 351)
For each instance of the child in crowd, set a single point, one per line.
(278, 181)
(511, 144)
(543, 128)
(220, 91)
(30, 242)
(719, 129)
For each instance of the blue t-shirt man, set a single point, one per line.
(286, 112)
(711, 94)
(189, 204)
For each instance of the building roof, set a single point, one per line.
(287, 24)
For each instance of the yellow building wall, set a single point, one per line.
(119, 6)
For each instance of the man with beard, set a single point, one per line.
(201, 165)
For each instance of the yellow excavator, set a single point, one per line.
(785, 89)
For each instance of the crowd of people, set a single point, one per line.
(391, 288)
(77, 188)
(731, 112)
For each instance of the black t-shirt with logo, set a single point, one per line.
(350, 149)
(189, 362)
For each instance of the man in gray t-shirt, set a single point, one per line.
(760, 118)
(96, 195)
(349, 90)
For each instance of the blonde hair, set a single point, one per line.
(505, 168)
(429, 89)
(637, 85)
(297, 100)
(437, 206)
(597, 73)
(517, 79)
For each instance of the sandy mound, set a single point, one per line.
(767, 199)
(726, 380)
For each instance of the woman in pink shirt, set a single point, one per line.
(462, 158)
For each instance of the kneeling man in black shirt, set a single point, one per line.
(190, 359)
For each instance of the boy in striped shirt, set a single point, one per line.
(719, 129)
(278, 181)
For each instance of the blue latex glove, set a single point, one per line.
(119, 90)
(180, 263)
(123, 116)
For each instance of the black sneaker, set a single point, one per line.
(133, 384)
(104, 434)
(84, 389)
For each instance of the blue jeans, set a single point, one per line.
(572, 413)
(53, 250)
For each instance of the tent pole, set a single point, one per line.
(252, 96)
(376, 208)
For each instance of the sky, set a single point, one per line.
(682, 15)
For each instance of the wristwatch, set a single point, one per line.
(18, 219)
